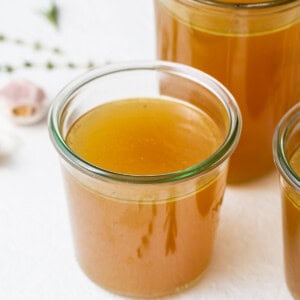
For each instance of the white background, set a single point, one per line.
(36, 253)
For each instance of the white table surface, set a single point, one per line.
(36, 253)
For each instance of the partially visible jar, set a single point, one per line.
(286, 149)
(253, 48)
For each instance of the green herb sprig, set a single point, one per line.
(49, 65)
(36, 46)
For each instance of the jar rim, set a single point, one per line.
(290, 119)
(245, 5)
(199, 77)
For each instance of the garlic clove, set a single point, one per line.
(24, 102)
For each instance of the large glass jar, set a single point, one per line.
(253, 48)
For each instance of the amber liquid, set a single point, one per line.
(291, 230)
(137, 247)
(261, 69)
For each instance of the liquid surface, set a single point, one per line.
(144, 136)
(139, 248)
(291, 230)
(261, 69)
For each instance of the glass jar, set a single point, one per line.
(144, 235)
(253, 48)
(286, 149)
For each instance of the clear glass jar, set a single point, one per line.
(144, 235)
(286, 149)
(253, 48)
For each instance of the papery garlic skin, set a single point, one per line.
(23, 102)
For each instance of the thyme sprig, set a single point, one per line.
(49, 65)
(37, 45)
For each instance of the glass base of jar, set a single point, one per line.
(178, 290)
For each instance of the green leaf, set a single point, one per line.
(37, 46)
(28, 64)
(50, 65)
(19, 41)
(56, 51)
(8, 69)
(91, 64)
(71, 65)
(52, 14)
